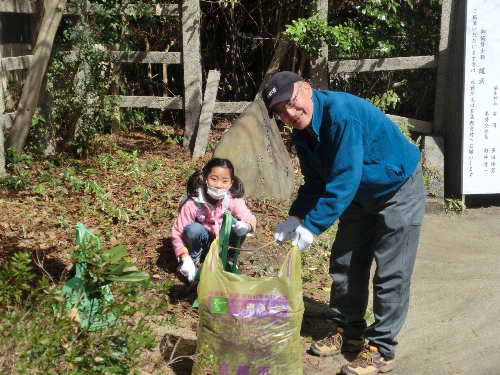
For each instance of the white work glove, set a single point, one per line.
(303, 238)
(241, 228)
(187, 268)
(284, 230)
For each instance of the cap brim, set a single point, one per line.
(284, 95)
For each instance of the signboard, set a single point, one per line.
(481, 110)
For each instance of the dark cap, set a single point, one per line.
(279, 89)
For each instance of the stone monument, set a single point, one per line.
(255, 147)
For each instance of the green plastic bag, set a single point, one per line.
(249, 325)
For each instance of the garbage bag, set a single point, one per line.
(249, 325)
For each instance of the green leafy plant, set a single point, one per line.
(106, 266)
(38, 124)
(454, 206)
(17, 170)
(14, 280)
(173, 139)
(404, 127)
(430, 173)
(386, 100)
(378, 19)
(211, 146)
(310, 33)
(48, 340)
(79, 85)
(207, 360)
(369, 316)
(81, 77)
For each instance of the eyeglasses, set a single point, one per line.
(291, 103)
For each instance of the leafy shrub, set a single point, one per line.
(310, 33)
(17, 170)
(38, 336)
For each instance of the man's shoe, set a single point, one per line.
(335, 343)
(368, 362)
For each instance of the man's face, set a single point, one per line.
(298, 110)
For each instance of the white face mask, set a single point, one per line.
(216, 193)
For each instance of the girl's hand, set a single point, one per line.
(241, 228)
(187, 268)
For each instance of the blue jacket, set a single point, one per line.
(358, 154)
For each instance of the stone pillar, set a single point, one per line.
(191, 60)
(260, 159)
(207, 113)
(2, 128)
(433, 166)
(319, 65)
(443, 149)
(449, 102)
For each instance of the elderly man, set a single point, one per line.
(360, 169)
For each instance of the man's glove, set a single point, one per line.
(187, 268)
(303, 238)
(241, 228)
(284, 230)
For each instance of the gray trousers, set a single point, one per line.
(387, 230)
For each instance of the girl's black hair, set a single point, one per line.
(198, 178)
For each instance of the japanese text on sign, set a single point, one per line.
(481, 136)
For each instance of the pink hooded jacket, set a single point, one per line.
(198, 209)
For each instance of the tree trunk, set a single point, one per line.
(31, 89)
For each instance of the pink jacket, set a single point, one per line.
(210, 219)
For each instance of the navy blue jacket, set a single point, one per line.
(358, 154)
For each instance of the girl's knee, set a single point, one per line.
(192, 229)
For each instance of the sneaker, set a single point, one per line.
(336, 343)
(368, 362)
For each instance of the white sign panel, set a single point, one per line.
(481, 133)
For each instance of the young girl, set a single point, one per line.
(210, 192)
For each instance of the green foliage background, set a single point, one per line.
(238, 38)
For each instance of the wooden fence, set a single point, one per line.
(198, 113)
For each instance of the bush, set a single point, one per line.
(38, 336)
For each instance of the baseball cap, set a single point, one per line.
(279, 89)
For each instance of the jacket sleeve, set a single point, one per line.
(333, 191)
(187, 215)
(240, 211)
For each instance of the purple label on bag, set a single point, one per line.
(242, 370)
(249, 305)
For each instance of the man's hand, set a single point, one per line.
(187, 268)
(284, 230)
(241, 228)
(303, 238)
